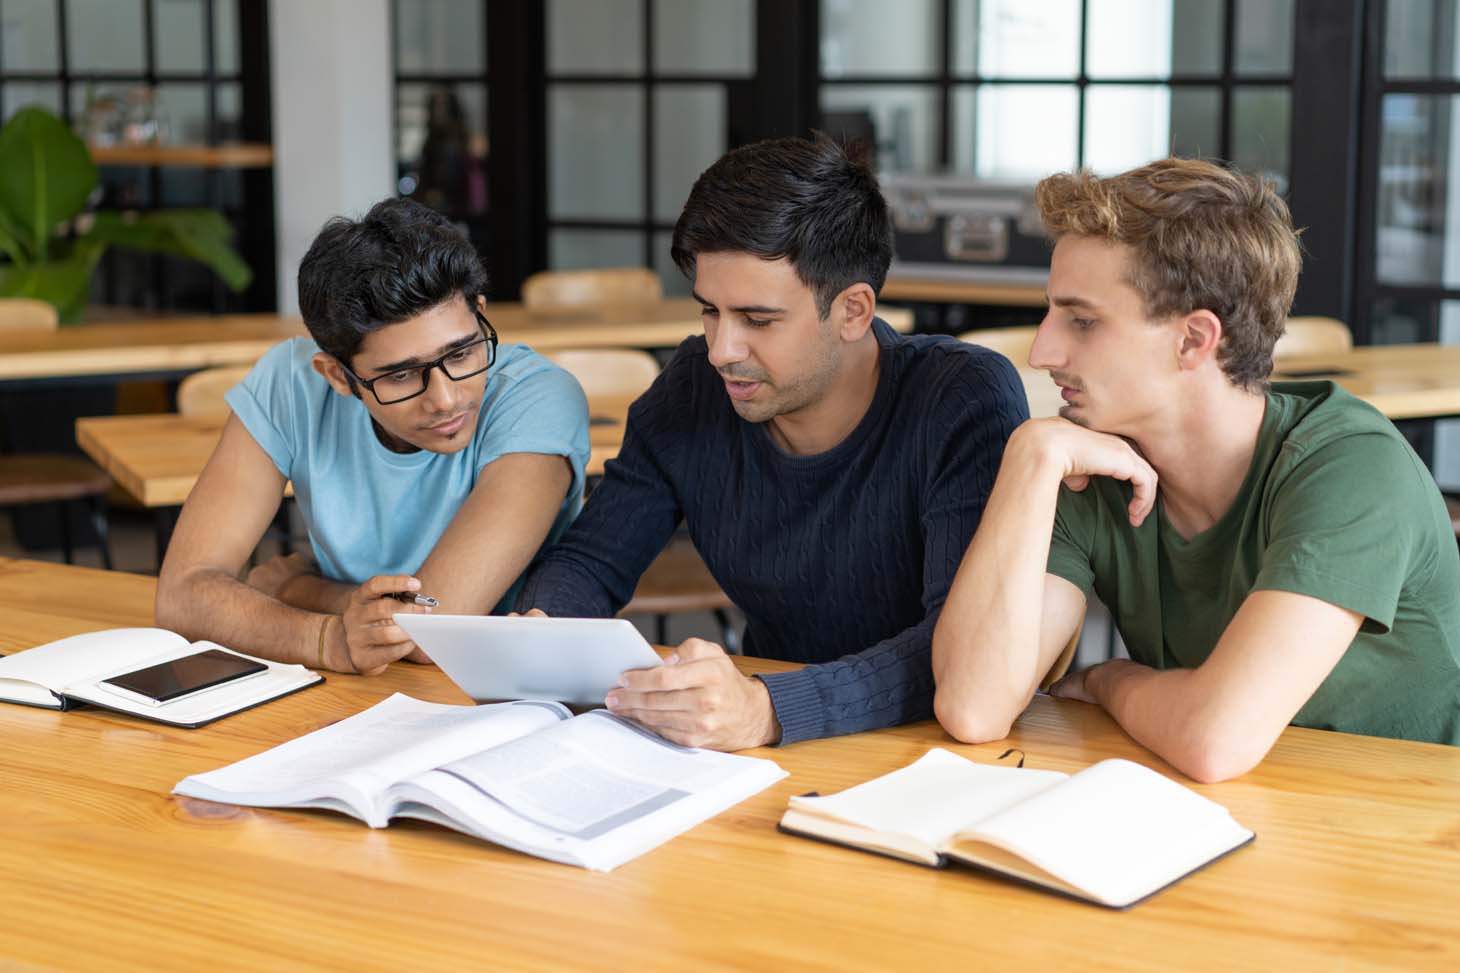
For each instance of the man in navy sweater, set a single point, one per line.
(830, 471)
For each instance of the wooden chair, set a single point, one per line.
(608, 372)
(59, 478)
(1313, 336)
(575, 288)
(677, 581)
(1014, 344)
(200, 395)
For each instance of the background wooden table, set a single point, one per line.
(157, 457)
(183, 344)
(1356, 863)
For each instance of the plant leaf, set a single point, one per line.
(62, 283)
(199, 234)
(45, 175)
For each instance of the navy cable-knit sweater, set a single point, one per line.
(840, 560)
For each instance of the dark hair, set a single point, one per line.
(400, 260)
(806, 200)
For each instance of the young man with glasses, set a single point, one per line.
(424, 458)
(829, 470)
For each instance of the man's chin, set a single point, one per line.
(1072, 413)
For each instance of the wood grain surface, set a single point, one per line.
(1356, 863)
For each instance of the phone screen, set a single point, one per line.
(169, 680)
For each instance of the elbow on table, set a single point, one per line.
(968, 721)
(1217, 755)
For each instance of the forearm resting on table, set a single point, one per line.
(316, 593)
(987, 657)
(209, 603)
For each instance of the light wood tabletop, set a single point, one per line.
(1356, 863)
(157, 457)
(1007, 293)
(1401, 381)
(181, 344)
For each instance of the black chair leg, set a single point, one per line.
(164, 526)
(64, 508)
(661, 629)
(101, 523)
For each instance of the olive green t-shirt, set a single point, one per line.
(1336, 506)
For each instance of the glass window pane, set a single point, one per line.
(595, 37)
(1264, 37)
(674, 283)
(230, 111)
(105, 35)
(177, 35)
(1404, 321)
(689, 134)
(440, 36)
(442, 146)
(1196, 122)
(1261, 127)
(28, 36)
(1416, 208)
(1016, 39)
(20, 94)
(705, 37)
(993, 138)
(225, 36)
(581, 249)
(875, 38)
(1154, 38)
(181, 111)
(1419, 39)
(596, 151)
(901, 121)
(1126, 126)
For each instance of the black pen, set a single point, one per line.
(411, 598)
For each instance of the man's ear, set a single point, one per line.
(329, 367)
(858, 305)
(1200, 336)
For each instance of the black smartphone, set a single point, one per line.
(179, 677)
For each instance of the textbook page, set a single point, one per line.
(595, 790)
(1116, 830)
(931, 798)
(349, 765)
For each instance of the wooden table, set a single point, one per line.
(175, 346)
(1401, 381)
(1001, 293)
(157, 458)
(1356, 863)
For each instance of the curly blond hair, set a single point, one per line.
(1203, 238)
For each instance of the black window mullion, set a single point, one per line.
(945, 88)
(1229, 61)
(1082, 84)
(63, 59)
(648, 134)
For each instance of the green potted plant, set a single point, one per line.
(51, 246)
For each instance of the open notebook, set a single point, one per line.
(591, 790)
(62, 674)
(1112, 834)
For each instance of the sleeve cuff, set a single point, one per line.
(797, 703)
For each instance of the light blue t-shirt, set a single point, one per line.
(372, 511)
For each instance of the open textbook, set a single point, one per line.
(1112, 834)
(592, 790)
(61, 674)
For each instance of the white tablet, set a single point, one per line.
(573, 660)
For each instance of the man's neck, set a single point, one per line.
(1202, 454)
(825, 423)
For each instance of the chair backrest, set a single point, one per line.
(1013, 343)
(200, 395)
(608, 371)
(27, 314)
(574, 288)
(1313, 336)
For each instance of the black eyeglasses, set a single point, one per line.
(461, 362)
